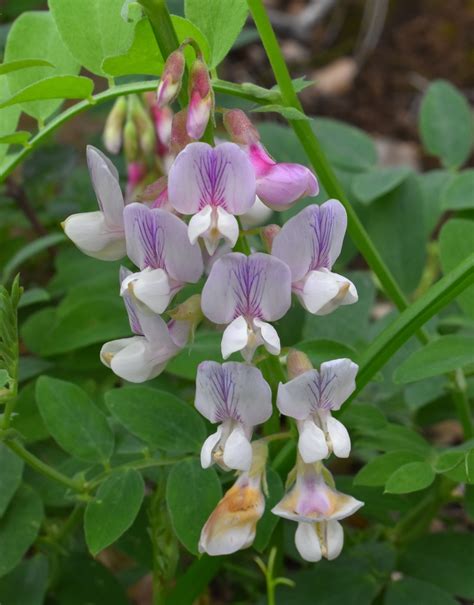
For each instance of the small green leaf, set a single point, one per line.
(191, 494)
(27, 583)
(268, 522)
(19, 527)
(410, 477)
(448, 460)
(371, 185)
(55, 87)
(8, 118)
(443, 355)
(322, 350)
(20, 137)
(459, 194)
(377, 471)
(113, 509)
(220, 21)
(73, 420)
(11, 470)
(158, 417)
(410, 590)
(290, 113)
(92, 30)
(10, 66)
(446, 124)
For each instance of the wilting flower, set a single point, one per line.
(232, 524)
(171, 78)
(309, 243)
(213, 184)
(317, 508)
(201, 100)
(145, 355)
(100, 234)
(279, 185)
(158, 244)
(246, 292)
(236, 396)
(310, 398)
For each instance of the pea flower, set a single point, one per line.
(201, 100)
(232, 524)
(310, 398)
(279, 185)
(145, 355)
(246, 292)
(100, 234)
(237, 396)
(171, 78)
(317, 508)
(309, 243)
(158, 244)
(213, 184)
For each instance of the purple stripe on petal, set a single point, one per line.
(222, 390)
(320, 390)
(248, 284)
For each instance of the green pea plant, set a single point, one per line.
(208, 393)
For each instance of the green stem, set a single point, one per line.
(461, 402)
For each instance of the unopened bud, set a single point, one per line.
(163, 118)
(268, 234)
(130, 141)
(153, 190)
(112, 136)
(201, 100)
(171, 78)
(190, 310)
(297, 363)
(240, 128)
(144, 124)
(179, 136)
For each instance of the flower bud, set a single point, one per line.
(200, 100)
(171, 78)
(153, 190)
(112, 136)
(240, 128)
(130, 141)
(179, 136)
(189, 311)
(144, 125)
(268, 234)
(297, 363)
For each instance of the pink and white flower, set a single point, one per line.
(201, 100)
(236, 396)
(247, 292)
(158, 244)
(310, 398)
(100, 234)
(213, 184)
(309, 243)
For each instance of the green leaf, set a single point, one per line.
(194, 581)
(469, 500)
(34, 34)
(92, 30)
(10, 66)
(30, 250)
(55, 87)
(378, 470)
(27, 419)
(113, 509)
(158, 417)
(33, 297)
(432, 185)
(410, 590)
(10, 476)
(290, 113)
(320, 351)
(268, 522)
(206, 347)
(455, 244)
(27, 583)
(220, 21)
(371, 185)
(191, 494)
(410, 477)
(443, 355)
(8, 118)
(19, 527)
(394, 437)
(459, 194)
(448, 460)
(73, 420)
(444, 559)
(446, 124)
(345, 146)
(20, 137)
(363, 417)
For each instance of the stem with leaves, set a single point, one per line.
(268, 570)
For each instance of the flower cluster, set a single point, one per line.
(179, 220)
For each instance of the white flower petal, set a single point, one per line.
(340, 440)
(235, 337)
(324, 291)
(91, 234)
(307, 542)
(199, 224)
(258, 214)
(151, 287)
(227, 542)
(208, 447)
(134, 362)
(334, 539)
(227, 226)
(237, 450)
(270, 337)
(312, 442)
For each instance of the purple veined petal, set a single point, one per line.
(251, 286)
(158, 239)
(91, 233)
(336, 383)
(312, 239)
(295, 398)
(133, 315)
(232, 390)
(284, 184)
(220, 177)
(105, 181)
